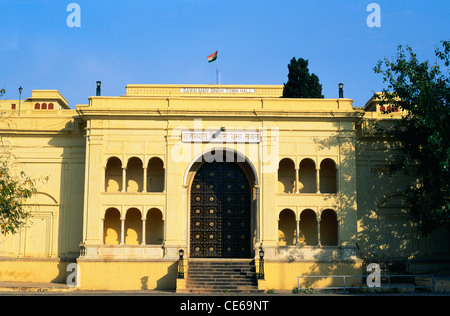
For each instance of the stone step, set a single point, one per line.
(251, 281)
(221, 273)
(228, 269)
(220, 282)
(224, 268)
(222, 262)
(222, 277)
(221, 291)
(221, 268)
(219, 276)
(221, 285)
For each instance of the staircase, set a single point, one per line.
(221, 276)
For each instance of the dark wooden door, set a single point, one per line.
(220, 212)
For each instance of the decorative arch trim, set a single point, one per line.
(198, 158)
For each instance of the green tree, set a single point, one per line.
(301, 84)
(422, 91)
(14, 190)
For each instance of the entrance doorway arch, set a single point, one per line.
(222, 207)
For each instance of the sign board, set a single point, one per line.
(217, 90)
(220, 137)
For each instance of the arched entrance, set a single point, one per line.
(221, 212)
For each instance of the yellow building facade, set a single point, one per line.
(219, 172)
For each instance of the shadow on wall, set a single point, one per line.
(133, 227)
(383, 231)
(167, 282)
(133, 177)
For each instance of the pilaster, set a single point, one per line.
(93, 187)
(175, 210)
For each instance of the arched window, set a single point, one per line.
(308, 228)
(134, 175)
(51, 106)
(286, 176)
(328, 176)
(111, 227)
(328, 228)
(37, 106)
(113, 175)
(287, 228)
(44, 106)
(154, 227)
(133, 227)
(307, 176)
(156, 175)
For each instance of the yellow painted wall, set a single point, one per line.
(284, 275)
(50, 149)
(143, 129)
(138, 275)
(33, 270)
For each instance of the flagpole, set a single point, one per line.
(217, 71)
(219, 83)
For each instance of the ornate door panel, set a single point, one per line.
(220, 212)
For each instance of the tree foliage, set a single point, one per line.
(422, 91)
(301, 84)
(14, 190)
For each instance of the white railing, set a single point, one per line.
(346, 285)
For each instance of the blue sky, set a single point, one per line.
(167, 42)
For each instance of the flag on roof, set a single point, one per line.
(212, 57)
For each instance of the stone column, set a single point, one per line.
(102, 230)
(122, 231)
(124, 179)
(144, 180)
(318, 232)
(143, 231)
(338, 232)
(318, 180)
